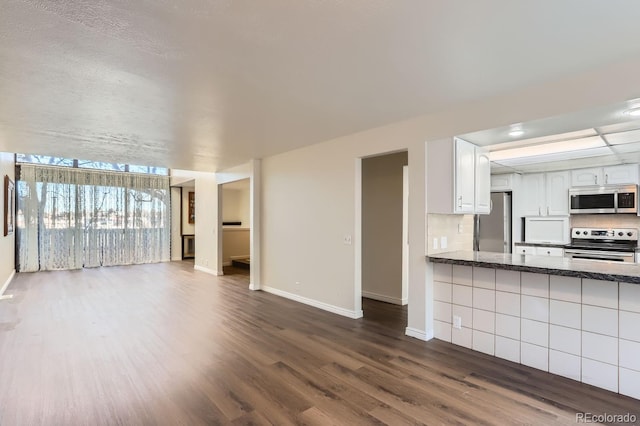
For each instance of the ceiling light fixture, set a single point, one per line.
(548, 148)
(516, 130)
(633, 112)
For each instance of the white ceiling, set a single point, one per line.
(208, 84)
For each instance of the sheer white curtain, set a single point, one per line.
(72, 218)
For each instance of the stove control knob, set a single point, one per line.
(577, 232)
(629, 234)
(622, 233)
(585, 232)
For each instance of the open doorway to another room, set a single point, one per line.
(236, 227)
(183, 230)
(384, 240)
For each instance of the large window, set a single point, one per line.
(71, 217)
(86, 164)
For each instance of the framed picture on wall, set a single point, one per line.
(9, 207)
(192, 207)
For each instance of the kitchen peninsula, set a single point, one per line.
(575, 318)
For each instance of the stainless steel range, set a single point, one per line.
(614, 245)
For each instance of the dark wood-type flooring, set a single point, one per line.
(166, 345)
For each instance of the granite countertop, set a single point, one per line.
(607, 271)
(541, 244)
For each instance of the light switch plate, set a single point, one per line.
(443, 242)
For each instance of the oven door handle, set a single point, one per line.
(604, 255)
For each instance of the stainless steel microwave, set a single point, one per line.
(603, 199)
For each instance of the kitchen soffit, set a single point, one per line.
(601, 136)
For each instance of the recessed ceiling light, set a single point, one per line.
(516, 132)
(633, 112)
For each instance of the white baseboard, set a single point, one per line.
(311, 302)
(384, 298)
(6, 284)
(419, 334)
(207, 270)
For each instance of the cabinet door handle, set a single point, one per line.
(539, 211)
(548, 252)
(606, 178)
(460, 201)
(547, 210)
(596, 179)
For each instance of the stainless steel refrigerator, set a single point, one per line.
(492, 231)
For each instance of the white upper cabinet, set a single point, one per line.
(502, 182)
(611, 175)
(464, 175)
(545, 194)
(557, 193)
(483, 182)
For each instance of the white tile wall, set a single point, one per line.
(508, 326)
(564, 364)
(483, 342)
(565, 339)
(629, 325)
(535, 284)
(534, 356)
(600, 320)
(508, 303)
(442, 330)
(508, 281)
(630, 297)
(536, 308)
(484, 299)
(442, 311)
(508, 349)
(484, 278)
(583, 329)
(600, 374)
(461, 337)
(630, 383)
(442, 291)
(462, 295)
(600, 348)
(600, 293)
(463, 312)
(462, 274)
(630, 355)
(442, 272)
(484, 321)
(567, 314)
(535, 332)
(568, 289)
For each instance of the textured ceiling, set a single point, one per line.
(208, 84)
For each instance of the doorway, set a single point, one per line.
(236, 227)
(384, 260)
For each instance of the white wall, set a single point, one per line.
(7, 244)
(382, 227)
(206, 226)
(235, 205)
(309, 193)
(235, 244)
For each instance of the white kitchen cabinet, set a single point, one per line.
(547, 230)
(458, 177)
(525, 250)
(610, 175)
(502, 182)
(623, 174)
(549, 251)
(545, 194)
(483, 182)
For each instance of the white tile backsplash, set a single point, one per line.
(484, 278)
(508, 281)
(600, 293)
(442, 291)
(600, 348)
(534, 332)
(630, 297)
(442, 330)
(462, 274)
(462, 295)
(508, 326)
(534, 356)
(600, 374)
(508, 303)
(565, 365)
(630, 383)
(567, 314)
(461, 337)
(508, 349)
(464, 312)
(629, 326)
(568, 289)
(535, 284)
(484, 321)
(483, 342)
(630, 354)
(565, 339)
(484, 299)
(442, 311)
(600, 320)
(535, 308)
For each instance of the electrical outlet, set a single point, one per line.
(435, 243)
(457, 322)
(443, 242)
(347, 240)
